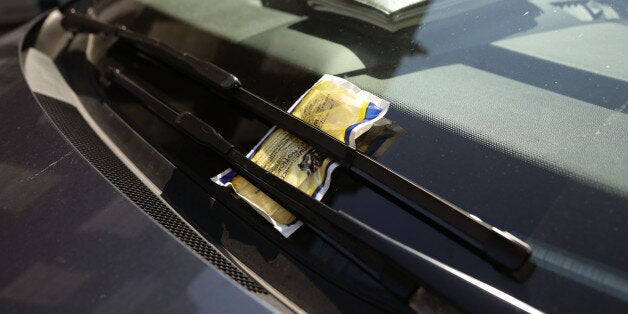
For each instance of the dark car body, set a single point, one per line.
(101, 212)
(72, 242)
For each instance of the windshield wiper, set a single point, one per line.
(397, 267)
(502, 249)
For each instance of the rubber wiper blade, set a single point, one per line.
(397, 267)
(501, 248)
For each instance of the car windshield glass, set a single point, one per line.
(512, 110)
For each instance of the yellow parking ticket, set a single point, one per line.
(333, 105)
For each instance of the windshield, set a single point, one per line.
(513, 110)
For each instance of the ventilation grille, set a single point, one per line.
(71, 123)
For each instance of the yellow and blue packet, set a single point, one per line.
(332, 105)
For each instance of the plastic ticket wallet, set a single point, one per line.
(333, 105)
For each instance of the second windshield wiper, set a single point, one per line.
(397, 267)
(498, 247)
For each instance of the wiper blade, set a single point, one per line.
(502, 249)
(397, 267)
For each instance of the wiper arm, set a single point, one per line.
(500, 248)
